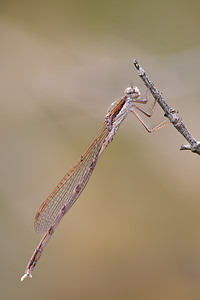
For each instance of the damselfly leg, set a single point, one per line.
(135, 109)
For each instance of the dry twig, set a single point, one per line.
(170, 113)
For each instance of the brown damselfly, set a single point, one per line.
(73, 183)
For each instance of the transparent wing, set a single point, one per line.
(51, 207)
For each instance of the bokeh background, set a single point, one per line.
(135, 231)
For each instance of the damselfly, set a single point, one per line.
(73, 183)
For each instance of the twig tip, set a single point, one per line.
(141, 72)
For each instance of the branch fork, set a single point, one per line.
(169, 112)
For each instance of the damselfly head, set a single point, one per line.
(132, 91)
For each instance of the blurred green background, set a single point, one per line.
(135, 231)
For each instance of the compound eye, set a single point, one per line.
(136, 91)
(132, 91)
(129, 91)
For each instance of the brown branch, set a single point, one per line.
(169, 112)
